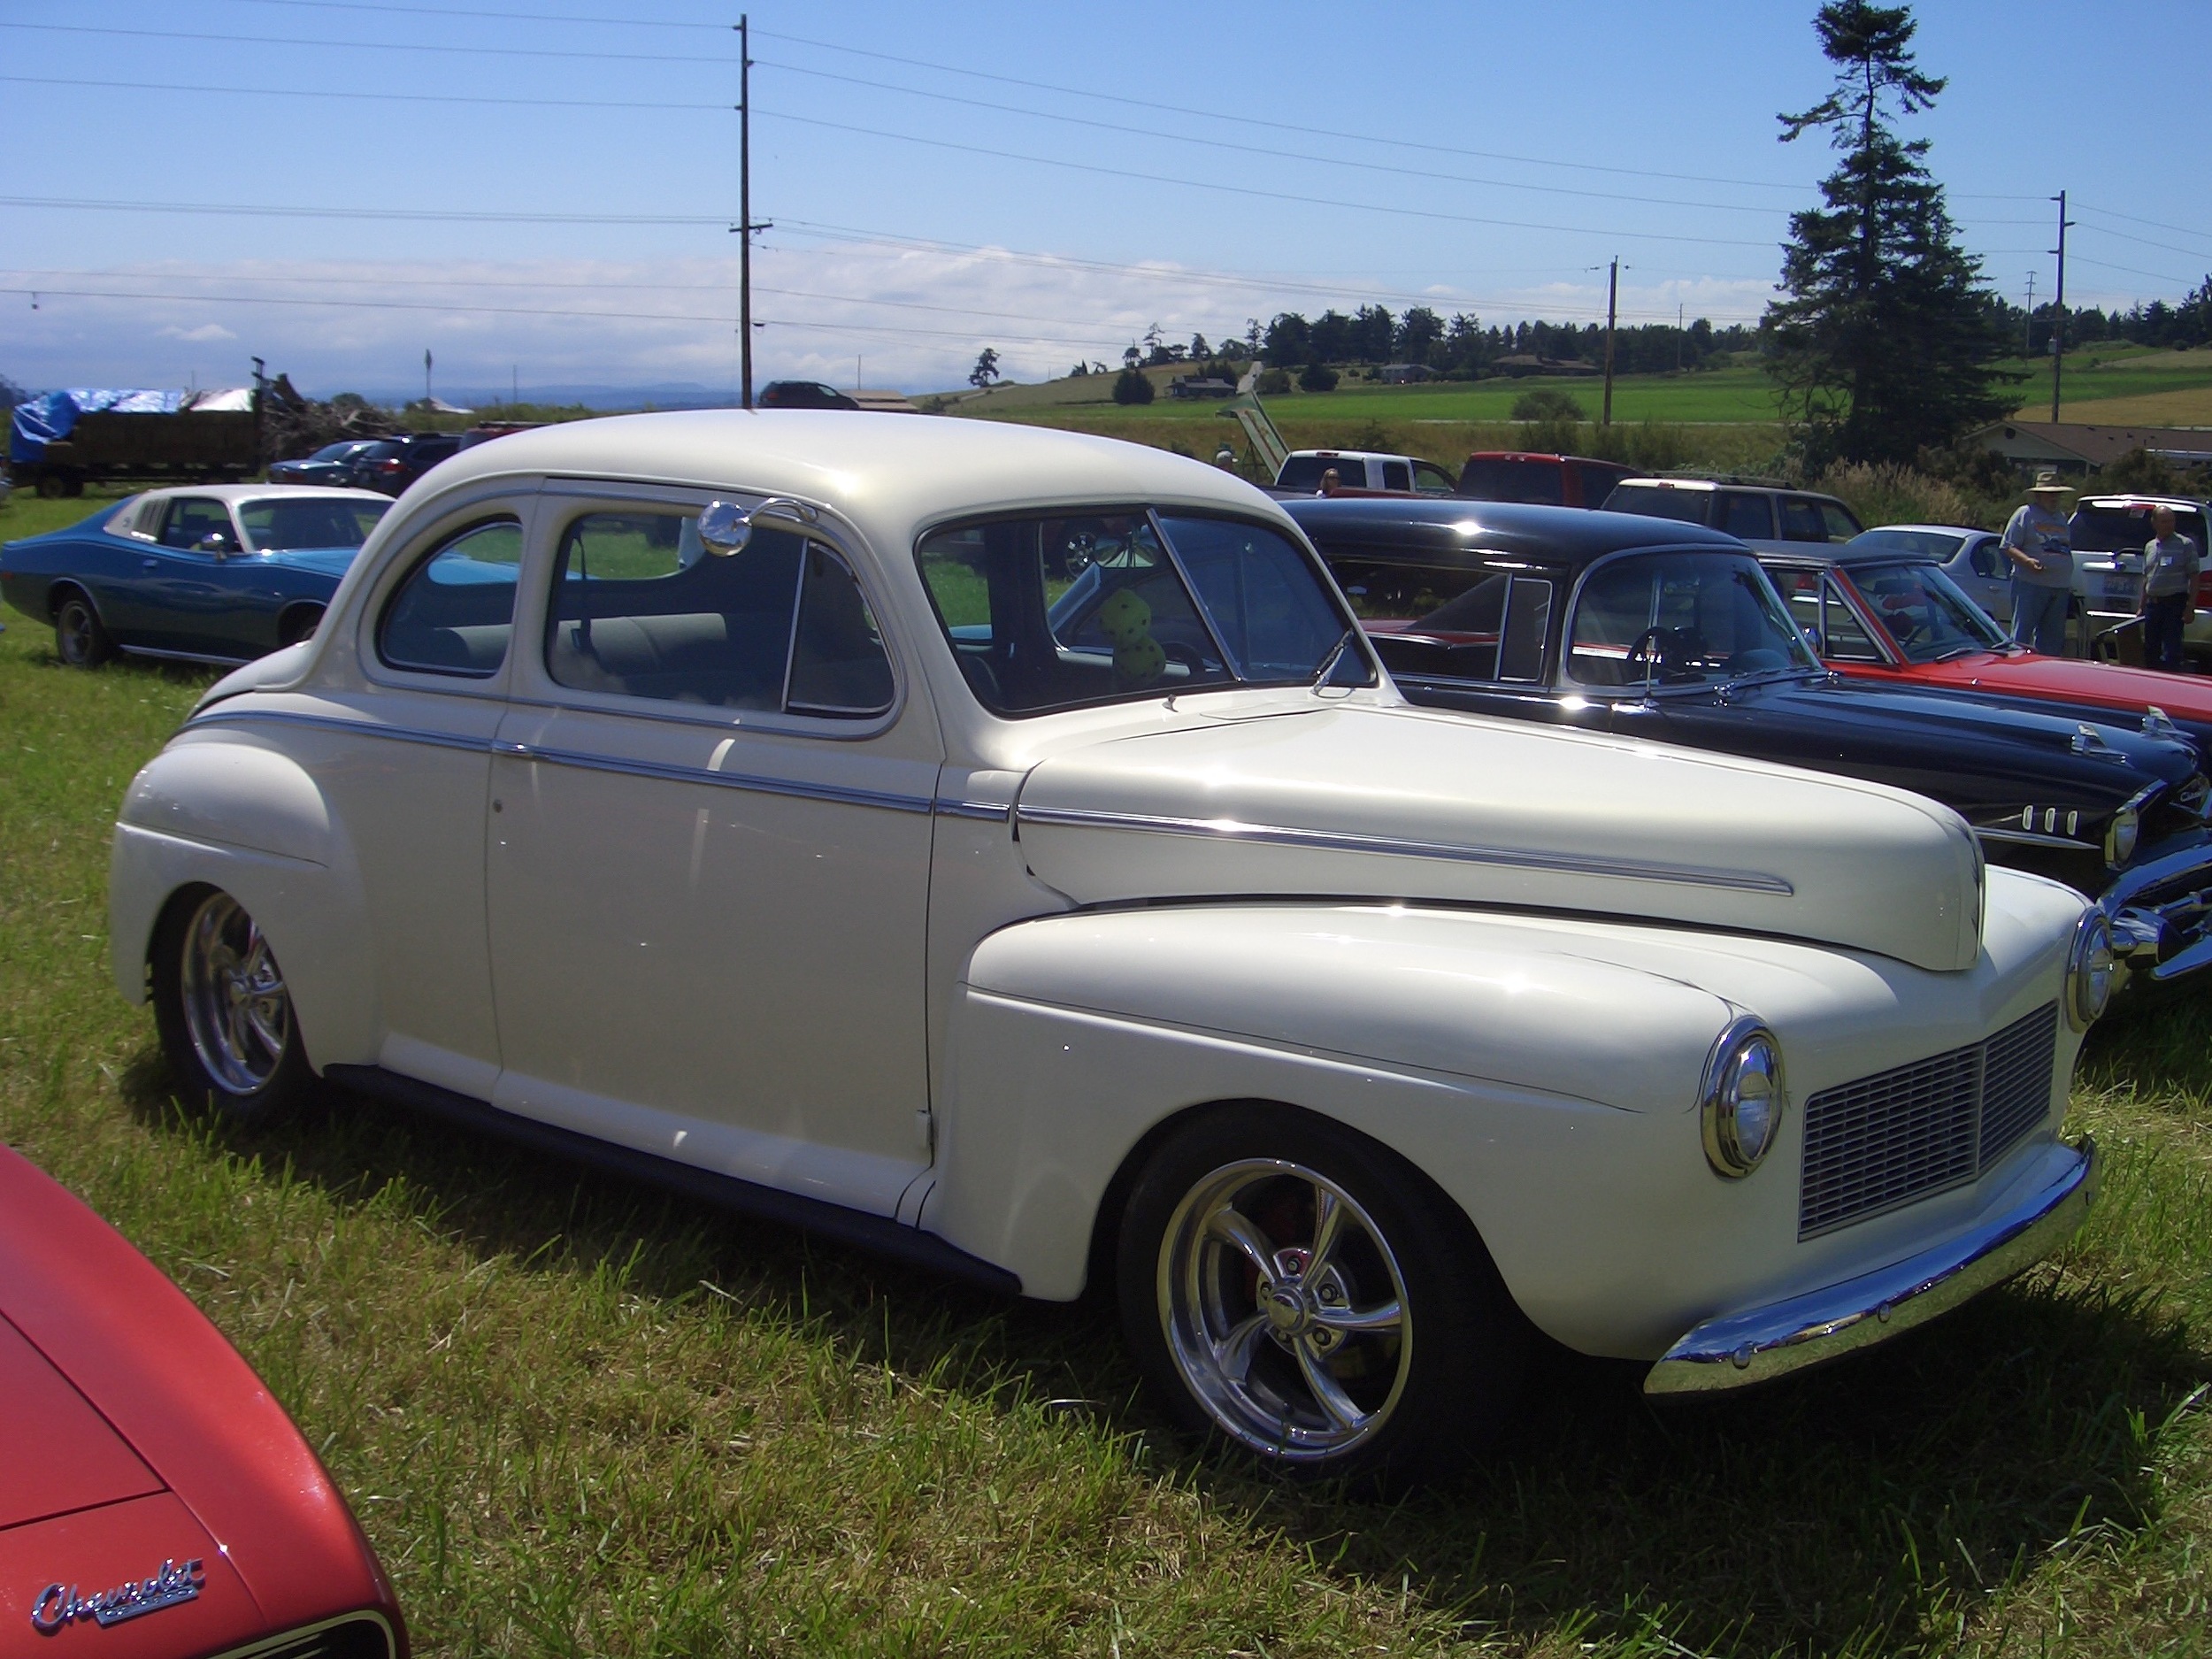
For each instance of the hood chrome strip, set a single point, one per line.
(1391, 846)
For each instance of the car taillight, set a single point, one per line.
(2204, 592)
(392, 466)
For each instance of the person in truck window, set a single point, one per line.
(2170, 561)
(2042, 558)
(1329, 482)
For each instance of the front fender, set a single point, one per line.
(1524, 1075)
(217, 809)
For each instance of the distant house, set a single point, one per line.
(1404, 373)
(885, 402)
(2070, 446)
(1199, 386)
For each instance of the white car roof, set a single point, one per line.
(233, 494)
(887, 472)
(1934, 529)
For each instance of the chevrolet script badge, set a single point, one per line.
(59, 1604)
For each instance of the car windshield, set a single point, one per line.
(336, 451)
(1676, 619)
(1541, 483)
(322, 521)
(1924, 612)
(1659, 501)
(2124, 526)
(1059, 612)
(1935, 544)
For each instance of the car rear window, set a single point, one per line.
(1660, 501)
(1303, 472)
(2124, 527)
(1540, 483)
(1935, 544)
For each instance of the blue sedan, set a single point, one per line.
(215, 574)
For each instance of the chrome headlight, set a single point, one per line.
(1740, 1108)
(2093, 970)
(2120, 835)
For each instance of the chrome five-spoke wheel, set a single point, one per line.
(225, 1016)
(1284, 1309)
(1306, 1291)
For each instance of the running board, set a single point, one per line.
(881, 1234)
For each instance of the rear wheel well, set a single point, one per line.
(297, 621)
(63, 590)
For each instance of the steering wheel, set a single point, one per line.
(1641, 658)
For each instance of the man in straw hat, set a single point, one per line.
(2042, 555)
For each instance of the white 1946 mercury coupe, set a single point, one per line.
(998, 846)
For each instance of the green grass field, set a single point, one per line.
(579, 1417)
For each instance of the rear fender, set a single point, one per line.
(215, 810)
(1511, 1075)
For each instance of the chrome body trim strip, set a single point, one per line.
(983, 810)
(1737, 1349)
(667, 773)
(1340, 841)
(2030, 838)
(220, 715)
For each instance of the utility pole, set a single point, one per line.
(425, 374)
(745, 228)
(2027, 333)
(1612, 304)
(2058, 310)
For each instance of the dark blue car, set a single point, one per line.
(214, 574)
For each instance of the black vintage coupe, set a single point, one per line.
(1672, 633)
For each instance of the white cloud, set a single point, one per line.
(892, 314)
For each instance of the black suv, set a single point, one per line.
(803, 395)
(390, 465)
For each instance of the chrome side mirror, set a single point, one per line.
(216, 542)
(726, 527)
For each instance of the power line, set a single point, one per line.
(366, 46)
(425, 214)
(2104, 265)
(447, 13)
(2145, 242)
(396, 97)
(2179, 230)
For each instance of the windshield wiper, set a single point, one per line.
(1336, 653)
(1957, 652)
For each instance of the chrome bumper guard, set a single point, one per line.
(2161, 915)
(1737, 1349)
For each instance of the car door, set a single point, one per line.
(404, 759)
(708, 857)
(180, 597)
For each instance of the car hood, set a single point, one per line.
(2118, 754)
(60, 1453)
(1355, 800)
(2125, 690)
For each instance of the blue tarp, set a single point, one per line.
(40, 420)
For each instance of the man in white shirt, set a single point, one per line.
(2042, 554)
(2170, 561)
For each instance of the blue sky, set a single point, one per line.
(546, 196)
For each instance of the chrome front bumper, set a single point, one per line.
(1741, 1348)
(2161, 915)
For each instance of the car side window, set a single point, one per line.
(642, 608)
(1838, 521)
(1431, 480)
(1397, 475)
(1800, 520)
(1749, 516)
(1843, 637)
(193, 518)
(454, 612)
(1985, 560)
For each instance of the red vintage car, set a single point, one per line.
(1881, 614)
(154, 1500)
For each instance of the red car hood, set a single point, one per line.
(145, 1472)
(2059, 678)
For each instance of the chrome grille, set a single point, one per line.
(1900, 1135)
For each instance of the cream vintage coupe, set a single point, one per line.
(1000, 845)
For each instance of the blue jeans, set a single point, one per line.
(2163, 621)
(2038, 616)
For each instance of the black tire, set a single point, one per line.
(81, 638)
(1233, 1353)
(225, 1019)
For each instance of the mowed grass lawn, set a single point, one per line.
(579, 1417)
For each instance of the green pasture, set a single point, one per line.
(579, 1417)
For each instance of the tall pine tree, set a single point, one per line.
(1884, 343)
